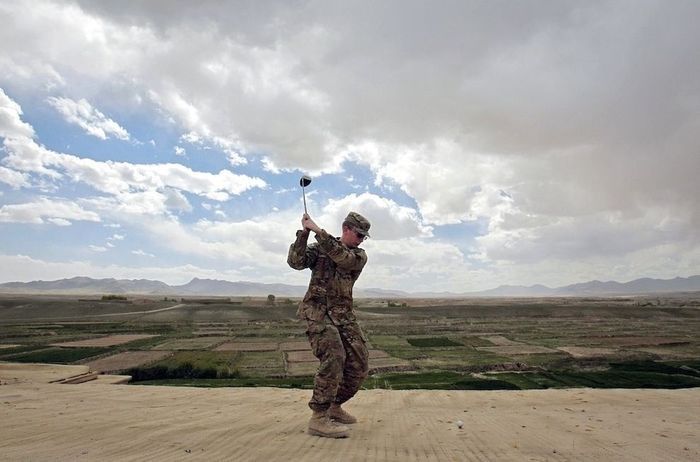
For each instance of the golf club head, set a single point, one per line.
(304, 181)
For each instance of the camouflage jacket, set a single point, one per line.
(334, 269)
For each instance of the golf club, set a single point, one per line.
(304, 181)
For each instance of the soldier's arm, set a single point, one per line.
(300, 255)
(345, 258)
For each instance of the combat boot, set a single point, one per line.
(321, 425)
(338, 414)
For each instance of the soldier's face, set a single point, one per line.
(350, 237)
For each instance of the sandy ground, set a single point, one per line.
(44, 421)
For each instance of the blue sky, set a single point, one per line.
(553, 145)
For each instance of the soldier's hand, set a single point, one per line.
(308, 223)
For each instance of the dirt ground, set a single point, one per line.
(129, 422)
(125, 360)
(587, 352)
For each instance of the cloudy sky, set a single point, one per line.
(488, 142)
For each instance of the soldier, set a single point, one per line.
(331, 327)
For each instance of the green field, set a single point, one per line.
(432, 344)
(54, 355)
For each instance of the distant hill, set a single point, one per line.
(215, 287)
(227, 288)
(85, 285)
(594, 288)
(538, 290)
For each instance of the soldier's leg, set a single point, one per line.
(327, 346)
(356, 362)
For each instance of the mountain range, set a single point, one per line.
(214, 287)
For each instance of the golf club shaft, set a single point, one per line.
(303, 194)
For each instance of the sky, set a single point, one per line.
(488, 143)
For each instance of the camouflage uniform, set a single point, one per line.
(335, 337)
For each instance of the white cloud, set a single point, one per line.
(97, 248)
(91, 120)
(232, 149)
(175, 200)
(444, 180)
(11, 124)
(158, 183)
(122, 177)
(59, 221)
(54, 210)
(389, 221)
(30, 71)
(141, 253)
(13, 178)
(262, 242)
(410, 263)
(180, 151)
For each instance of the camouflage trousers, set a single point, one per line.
(344, 362)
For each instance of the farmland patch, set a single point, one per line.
(111, 340)
(126, 360)
(520, 349)
(302, 368)
(56, 355)
(500, 340)
(587, 352)
(247, 346)
(295, 346)
(261, 363)
(429, 342)
(197, 343)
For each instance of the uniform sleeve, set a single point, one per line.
(344, 257)
(300, 255)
